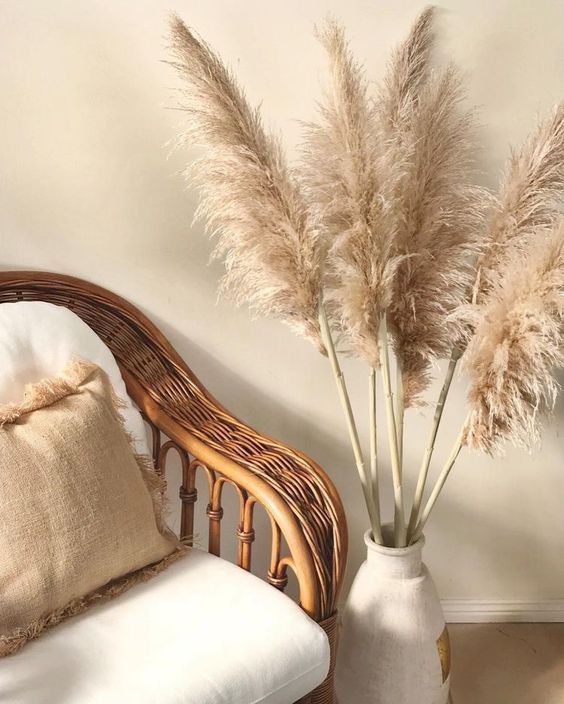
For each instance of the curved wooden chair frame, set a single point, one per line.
(300, 500)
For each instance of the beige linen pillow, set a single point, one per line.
(80, 514)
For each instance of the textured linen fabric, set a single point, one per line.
(77, 507)
(37, 339)
(202, 632)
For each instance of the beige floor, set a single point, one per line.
(507, 663)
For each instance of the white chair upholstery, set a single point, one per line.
(202, 632)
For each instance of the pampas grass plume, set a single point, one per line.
(343, 173)
(249, 197)
(436, 211)
(518, 344)
(532, 184)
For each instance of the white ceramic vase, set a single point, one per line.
(394, 645)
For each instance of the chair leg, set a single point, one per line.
(325, 693)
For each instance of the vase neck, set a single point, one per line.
(394, 563)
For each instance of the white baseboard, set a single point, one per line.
(489, 611)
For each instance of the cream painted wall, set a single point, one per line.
(88, 188)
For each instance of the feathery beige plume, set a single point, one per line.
(519, 341)
(343, 172)
(533, 181)
(408, 69)
(436, 211)
(249, 197)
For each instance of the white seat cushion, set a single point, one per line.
(202, 632)
(36, 341)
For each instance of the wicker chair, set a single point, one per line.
(301, 502)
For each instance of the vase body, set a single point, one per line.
(394, 646)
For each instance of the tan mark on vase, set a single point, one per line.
(443, 646)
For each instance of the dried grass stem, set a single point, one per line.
(373, 510)
(399, 518)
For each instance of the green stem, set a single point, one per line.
(399, 518)
(351, 425)
(443, 476)
(400, 411)
(424, 470)
(374, 442)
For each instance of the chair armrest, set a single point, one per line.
(293, 489)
